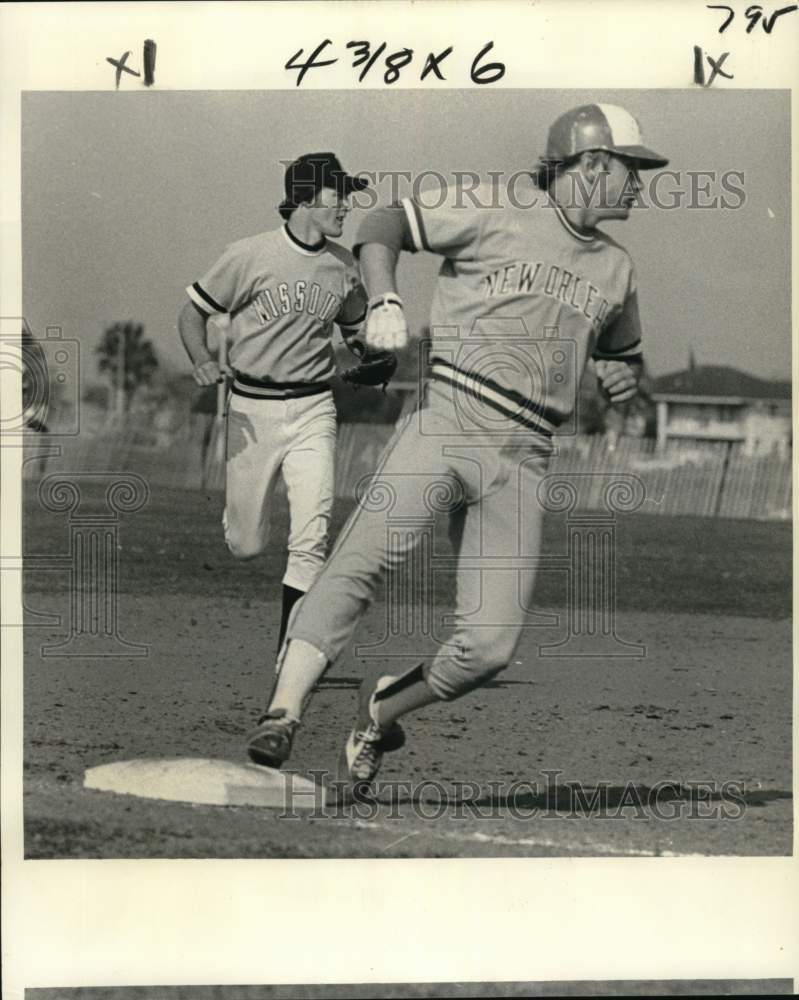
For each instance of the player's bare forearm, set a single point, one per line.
(379, 269)
(192, 329)
(193, 333)
(351, 318)
(619, 379)
(386, 326)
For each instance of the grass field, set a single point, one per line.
(707, 710)
(681, 564)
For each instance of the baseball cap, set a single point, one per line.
(599, 126)
(308, 174)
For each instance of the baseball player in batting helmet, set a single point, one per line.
(530, 291)
(282, 290)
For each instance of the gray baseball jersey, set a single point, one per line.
(283, 298)
(528, 296)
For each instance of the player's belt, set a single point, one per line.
(512, 404)
(257, 388)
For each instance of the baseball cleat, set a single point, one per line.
(362, 755)
(269, 744)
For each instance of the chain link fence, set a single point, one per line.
(701, 478)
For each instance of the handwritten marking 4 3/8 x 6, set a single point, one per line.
(365, 55)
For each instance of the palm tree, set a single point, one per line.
(127, 358)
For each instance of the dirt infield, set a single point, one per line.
(684, 750)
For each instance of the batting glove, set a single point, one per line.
(386, 327)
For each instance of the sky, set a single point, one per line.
(129, 197)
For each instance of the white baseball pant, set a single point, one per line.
(493, 531)
(267, 437)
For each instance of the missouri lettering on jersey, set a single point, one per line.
(283, 297)
(534, 297)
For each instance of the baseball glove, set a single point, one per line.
(374, 368)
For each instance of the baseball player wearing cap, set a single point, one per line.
(282, 291)
(480, 441)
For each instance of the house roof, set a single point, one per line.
(718, 381)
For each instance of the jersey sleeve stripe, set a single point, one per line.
(414, 218)
(204, 311)
(600, 356)
(202, 299)
(632, 352)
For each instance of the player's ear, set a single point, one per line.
(584, 164)
(593, 161)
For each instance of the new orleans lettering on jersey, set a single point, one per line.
(530, 291)
(549, 279)
(282, 297)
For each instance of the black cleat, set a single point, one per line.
(269, 744)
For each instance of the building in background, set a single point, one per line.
(715, 403)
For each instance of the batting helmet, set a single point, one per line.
(599, 126)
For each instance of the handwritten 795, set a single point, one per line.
(753, 14)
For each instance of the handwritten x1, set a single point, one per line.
(149, 64)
